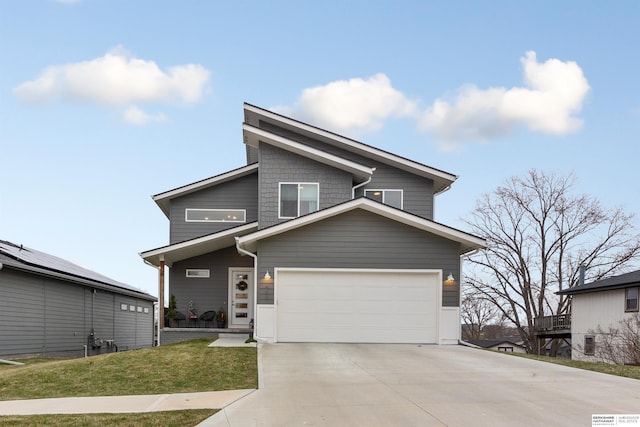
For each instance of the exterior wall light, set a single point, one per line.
(450, 279)
(267, 277)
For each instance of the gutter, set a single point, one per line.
(255, 283)
(353, 190)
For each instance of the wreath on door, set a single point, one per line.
(242, 285)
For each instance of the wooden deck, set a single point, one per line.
(558, 326)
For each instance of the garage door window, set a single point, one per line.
(297, 198)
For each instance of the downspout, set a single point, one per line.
(255, 282)
(362, 184)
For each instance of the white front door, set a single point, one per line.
(240, 296)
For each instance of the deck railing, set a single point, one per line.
(552, 323)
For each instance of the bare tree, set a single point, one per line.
(476, 312)
(538, 234)
(619, 345)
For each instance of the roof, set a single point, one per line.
(198, 246)
(495, 342)
(252, 136)
(468, 242)
(162, 199)
(616, 282)
(27, 259)
(441, 180)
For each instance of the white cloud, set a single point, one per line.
(116, 79)
(135, 116)
(357, 104)
(552, 97)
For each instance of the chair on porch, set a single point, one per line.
(208, 316)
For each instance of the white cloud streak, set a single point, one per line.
(135, 116)
(116, 79)
(358, 105)
(553, 95)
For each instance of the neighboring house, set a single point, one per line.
(598, 306)
(511, 345)
(51, 307)
(319, 238)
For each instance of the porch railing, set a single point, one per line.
(552, 323)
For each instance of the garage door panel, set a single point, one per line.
(357, 306)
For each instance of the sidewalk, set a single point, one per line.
(136, 403)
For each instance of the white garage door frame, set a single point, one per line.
(433, 278)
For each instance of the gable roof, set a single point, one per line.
(617, 282)
(494, 342)
(163, 199)
(31, 260)
(468, 242)
(253, 135)
(441, 180)
(198, 246)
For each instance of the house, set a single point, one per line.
(318, 238)
(596, 308)
(52, 307)
(510, 345)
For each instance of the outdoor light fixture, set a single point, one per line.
(450, 278)
(267, 276)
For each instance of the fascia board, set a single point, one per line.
(253, 135)
(177, 251)
(162, 199)
(445, 179)
(469, 242)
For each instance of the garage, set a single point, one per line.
(357, 305)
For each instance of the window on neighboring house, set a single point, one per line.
(200, 273)
(297, 199)
(215, 215)
(388, 197)
(589, 345)
(631, 299)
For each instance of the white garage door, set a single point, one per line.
(357, 306)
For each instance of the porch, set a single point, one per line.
(556, 326)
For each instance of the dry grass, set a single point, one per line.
(186, 418)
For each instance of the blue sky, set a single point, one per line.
(105, 103)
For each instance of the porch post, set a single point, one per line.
(161, 295)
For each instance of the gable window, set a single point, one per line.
(589, 345)
(631, 299)
(200, 273)
(215, 215)
(388, 197)
(297, 198)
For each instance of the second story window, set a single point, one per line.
(388, 197)
(215, 215)
(631, 299)
(297, 199)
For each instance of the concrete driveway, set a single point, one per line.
(411, 385)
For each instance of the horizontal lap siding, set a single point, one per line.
(206, 293)
(241, 193)
(43, 315)
(360, 239)
(418, 191)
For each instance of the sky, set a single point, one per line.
(105, 103)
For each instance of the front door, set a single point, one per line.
(240, 296)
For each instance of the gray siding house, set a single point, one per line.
(51, 307)
(318, 238)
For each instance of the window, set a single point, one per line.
(200, 273)
(298, 199)
(215, 215)
(631, 299)
(388, 197)
(589, 345)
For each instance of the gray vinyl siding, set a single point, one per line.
(241, 193)
(277, 165)
(41, 315)
(418, 191)
(360, 239)
(207, 293)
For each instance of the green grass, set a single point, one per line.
(186, 418)
(605, 368)
(189, 366)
